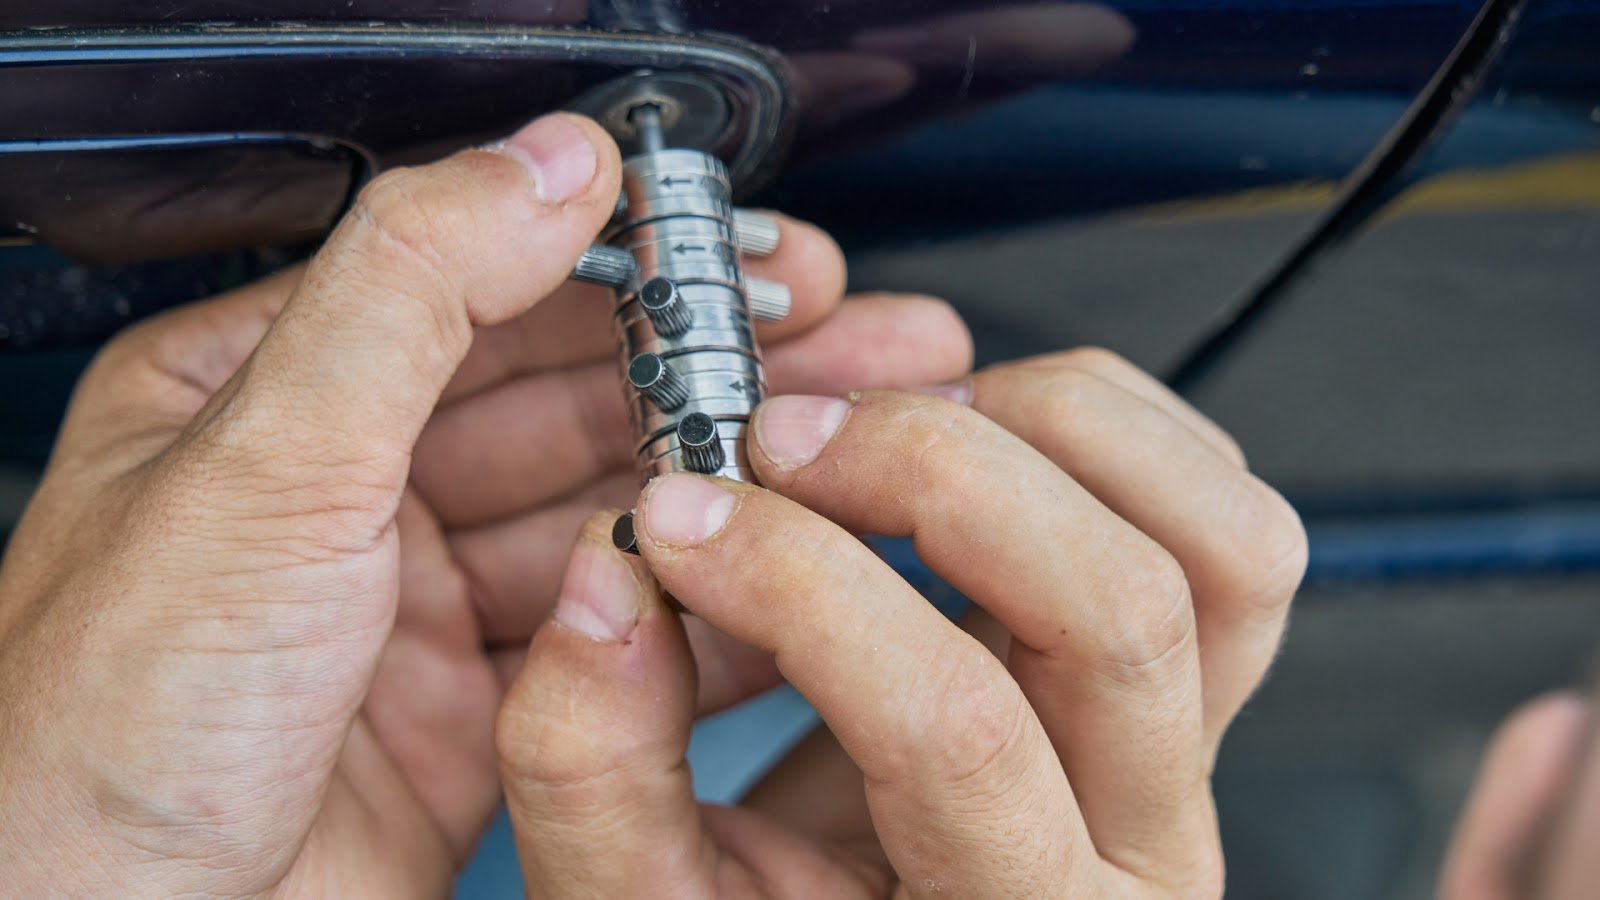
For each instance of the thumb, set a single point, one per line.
(592, 738)
(351, 370)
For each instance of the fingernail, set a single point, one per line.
(793, 430)
(600, 596)
(558, 153)
(685, 511)
(956, 391)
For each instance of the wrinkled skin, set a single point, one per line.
(256, 625)
(294, 542)
(1132, 580)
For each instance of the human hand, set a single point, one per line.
(1141, 577)
(254, 626)
(1531, 826)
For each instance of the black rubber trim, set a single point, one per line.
(1378, 179)
(754, 77)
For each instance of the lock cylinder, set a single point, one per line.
(684, 310)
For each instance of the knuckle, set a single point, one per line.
(1155, 620)
(534, 748)
(407, 237)
(542, 751)
(969, 725)
(397, 217)
(123, 356)
(1067, 398)
(1273, 557)
(1096, 359)
(116, 354)
(938, 440)
(512, 729)
(1229, 448)
(1114, 370)
(1207, 875)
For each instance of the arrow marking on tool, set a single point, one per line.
(688, 248)
(668, 181)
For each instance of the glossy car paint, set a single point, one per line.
(889, 123)
(930, 117)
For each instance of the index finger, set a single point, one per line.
(965, 788)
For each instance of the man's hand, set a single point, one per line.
(255, 626)
(1137, 577)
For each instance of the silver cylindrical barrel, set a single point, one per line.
(685, 336)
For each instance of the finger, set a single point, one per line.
(433, 699)
(574, 325)
(1104, 643)
(538, 438)
(515, 566)
(731, 671)
(964, 789)
(1110, 367)
(1529, 763)
(1241, 547)
(514, 569)
(816, 788)
(1563, 858)
(592, 739)
(145, 385)
(347, 375)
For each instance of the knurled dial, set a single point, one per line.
(685, 311)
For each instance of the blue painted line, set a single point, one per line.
(1540, 542)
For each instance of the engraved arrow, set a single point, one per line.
(668, 181)
(688, 248)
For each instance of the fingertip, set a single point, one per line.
(791, 431)
(928, 324)
(947, 329)
(1541, 729)
(681, 511)
(886, 341)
